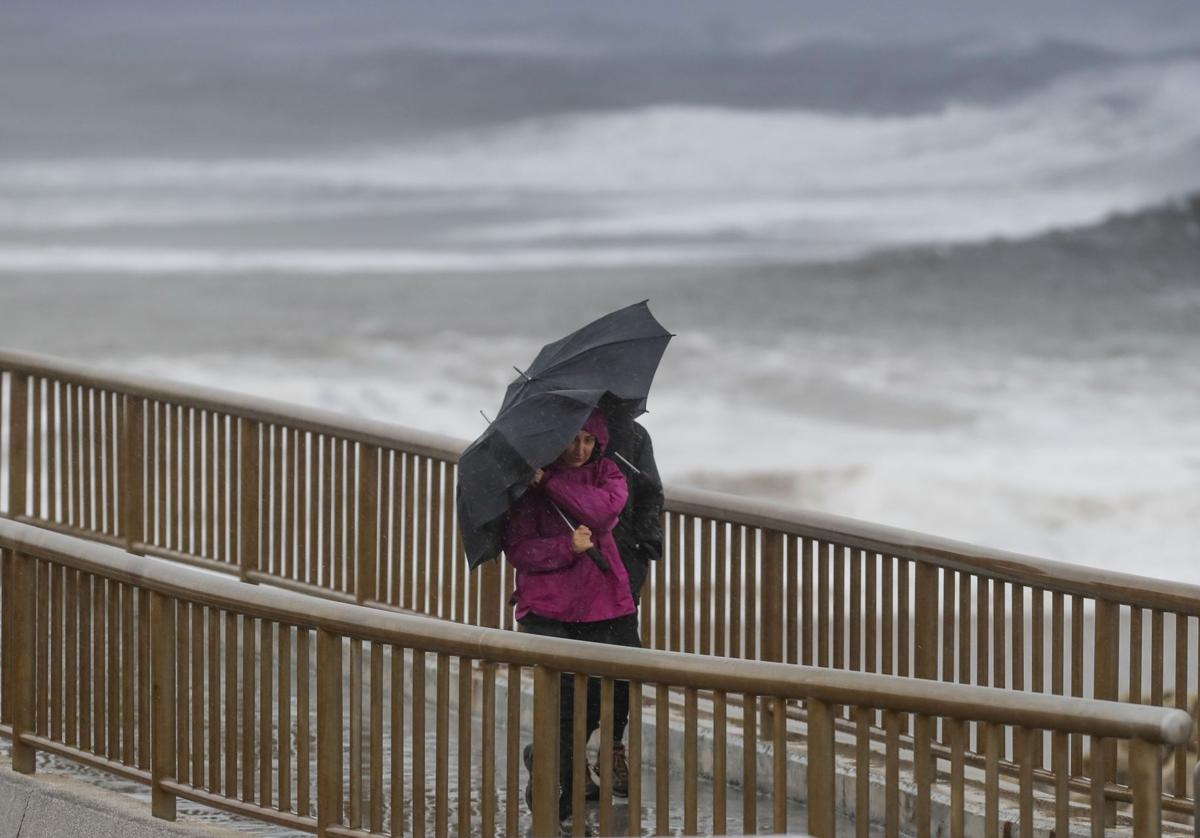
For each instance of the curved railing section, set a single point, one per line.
(363, 512)
(342, 720)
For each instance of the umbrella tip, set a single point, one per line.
(485, 417)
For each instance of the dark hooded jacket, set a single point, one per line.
(553, 580)
(639, 533)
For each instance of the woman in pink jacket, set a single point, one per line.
(560, 590)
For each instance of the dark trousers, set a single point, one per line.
(637, 569)
(621, 631)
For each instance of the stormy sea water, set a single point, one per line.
(965, 301)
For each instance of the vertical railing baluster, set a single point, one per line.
(285, 718)
(691, 763)
(248, 492)
(662, 777)
(396, 773)
(144, 664)
(688, 557)
(18, 429)
(37, 402)
(706, 593)
(303, 721)
(871, 611)
(1146, 771)
(487, 806)
(367, 589)
(721, 591)
(441, 743)
(214, 700)
(855, 560)
(418, 743)
(607, 691)
(838, 568)
(719, 769)
(354, 815)
(375, 741)
(162, 703)
(823, 596)
(41, 725)
(21, 589)
(923, 772)
(464, 795)
(249, 693)
(182, 680)
(266, 732)
(750, 763)
(197, 691)
(1106, 648)
(1179, 781)
(545, 751)
(512, 745)
(1077, 767)
(329, 730)
(863, 719)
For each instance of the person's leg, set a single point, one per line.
(625, 632)
(533, 624)
(621, 631)
(628, 634)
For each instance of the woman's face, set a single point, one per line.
(579, 451)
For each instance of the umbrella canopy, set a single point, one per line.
(617, 353)
(609, 363)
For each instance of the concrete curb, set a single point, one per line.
(50, 805)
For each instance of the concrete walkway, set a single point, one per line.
(52, 805)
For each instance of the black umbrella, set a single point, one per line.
(617, 353)
(608, 363)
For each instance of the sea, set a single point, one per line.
(950, 286)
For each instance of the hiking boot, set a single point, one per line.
(620, 771)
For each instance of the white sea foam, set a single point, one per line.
(1020, 459)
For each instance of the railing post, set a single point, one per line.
(22, 604)
(365, 581)
(133, 474)
(18, 426)
(329, 731)
(162, 703)
(926, 640)
(1104, 686)
(771, 586)
(1146, 771)
(248, 456)
(489, 606)
(545, 752)
(820, 770)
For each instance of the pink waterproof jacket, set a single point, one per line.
(552, 579)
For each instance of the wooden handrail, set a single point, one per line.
(1098, 718)
(1128, 589)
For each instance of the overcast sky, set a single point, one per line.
(698, 24)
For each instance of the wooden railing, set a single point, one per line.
(343, 720)
(363, 512)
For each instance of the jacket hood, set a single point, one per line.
(597, 426)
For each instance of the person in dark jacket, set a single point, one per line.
(639, 538)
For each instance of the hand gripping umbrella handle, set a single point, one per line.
(594, 554)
